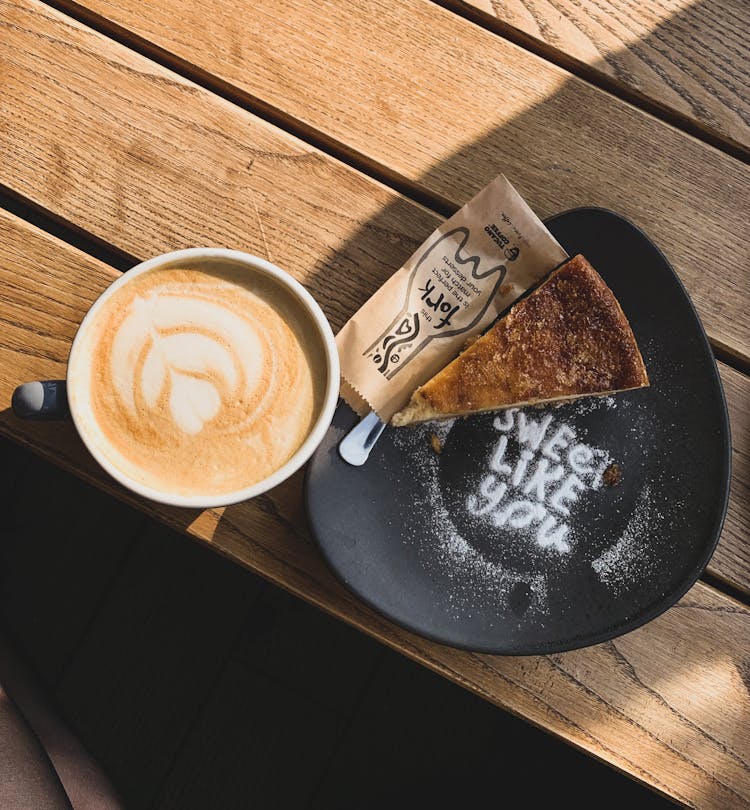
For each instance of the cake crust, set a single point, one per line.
(567, 339)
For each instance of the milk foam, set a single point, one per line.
(187, 343)
(203, 380)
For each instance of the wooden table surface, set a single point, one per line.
(331, 137)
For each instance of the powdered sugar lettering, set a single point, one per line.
(537, 487)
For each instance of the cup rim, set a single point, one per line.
(314, 437)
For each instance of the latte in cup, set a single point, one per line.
(203, 377)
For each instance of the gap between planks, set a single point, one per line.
(379, 171)
(50, 224)
(66, 231)
(689, 758)
(272, 115)
(595, 77)
(356, 159)
(376, 170)
(75, 236)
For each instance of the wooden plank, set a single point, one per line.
(666, 703)
(150, 162)
(152, 657)
(304, 673)
(689, 58)
(338, 232)
(731, 560)
(440, 104)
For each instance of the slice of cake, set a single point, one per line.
(567, 339)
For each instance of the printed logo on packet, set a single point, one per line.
(468, 271)
(439, 286)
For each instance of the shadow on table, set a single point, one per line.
(527, 150)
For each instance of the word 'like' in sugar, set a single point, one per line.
(539, 488)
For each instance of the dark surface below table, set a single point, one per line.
(198, 685)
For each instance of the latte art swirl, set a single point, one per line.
(202, 381)
(187, 350)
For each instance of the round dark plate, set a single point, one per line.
(449, 547)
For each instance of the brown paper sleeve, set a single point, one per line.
(452, 288)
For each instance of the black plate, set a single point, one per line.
(401, 534)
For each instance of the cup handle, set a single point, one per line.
(42, 400)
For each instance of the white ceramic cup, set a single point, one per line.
(55, 399)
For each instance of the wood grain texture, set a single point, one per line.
(428, 98)
(392, 750)
(667, 703)
(149, 162)
(90, 134)
(691, 57)
(96, 144)
(731, 560)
